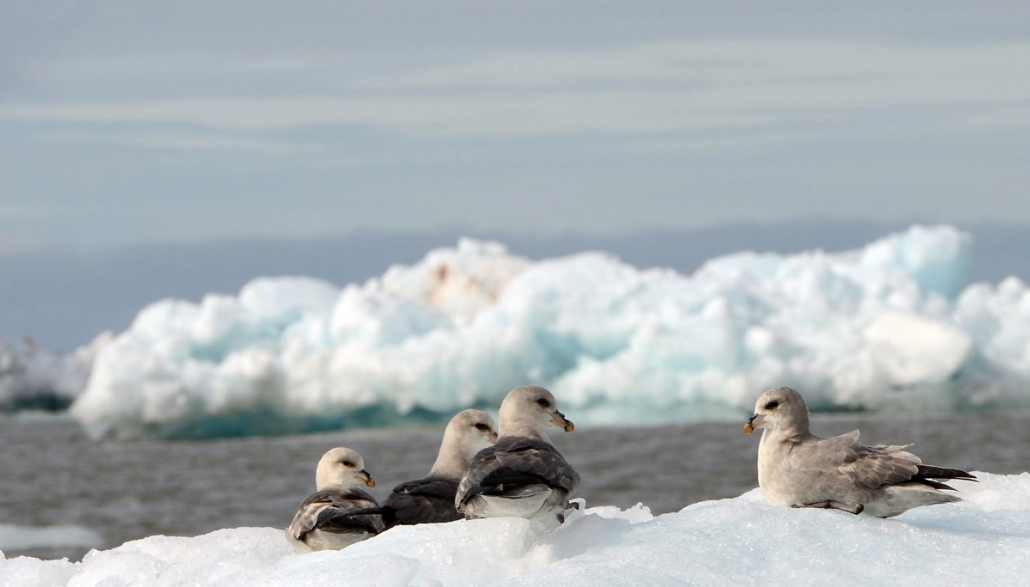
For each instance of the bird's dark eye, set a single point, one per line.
(482, 426)
(543, 403)
(772, 405)
(347, 463)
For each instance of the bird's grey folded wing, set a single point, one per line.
(307, 515)
(422, 501)
(542, 460)
(334, 509)
(515, 461)
(484, 463)
(846, 461)
(357, 500)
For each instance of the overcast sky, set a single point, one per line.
(170, 149)
(126, 122)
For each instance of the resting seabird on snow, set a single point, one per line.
(326, 520)
(431, 500)
(522, 475)
(799, 469)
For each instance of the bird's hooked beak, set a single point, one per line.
(366, 478)
(753, 422)
(559, 420)
(493, 438)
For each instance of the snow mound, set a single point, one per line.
(885, 327)
(982, 541)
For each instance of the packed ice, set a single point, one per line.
(890, 326)
(984, 540)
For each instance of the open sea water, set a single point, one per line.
(51, 475)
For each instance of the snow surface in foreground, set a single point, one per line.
(885, 327)
(984, 540)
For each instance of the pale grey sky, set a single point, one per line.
(124, 123)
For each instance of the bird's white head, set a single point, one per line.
(529, 410)
(474, 431)
(780, 408)
(342, 468)
(468, 432)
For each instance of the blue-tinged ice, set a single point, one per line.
(890, 326)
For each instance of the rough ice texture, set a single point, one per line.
(32, 377)
(889, 326)
(982, 541)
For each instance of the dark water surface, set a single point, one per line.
(52, 475)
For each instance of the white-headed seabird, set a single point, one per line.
(522, 475)
(431, 500)
(326, 520)
(799, 469)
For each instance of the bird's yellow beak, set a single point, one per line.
(559, 420)
(755, 421)
(364, 476)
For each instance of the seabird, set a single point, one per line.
(801, 470)
(326, 520)
(431, 500)
(522, 475)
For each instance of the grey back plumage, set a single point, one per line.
(513, 463)
(869, 467)
(334, 511)
(851, 463)
(423, 501)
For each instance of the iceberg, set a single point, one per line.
(890, 326)
(984, 540)
(33, 378)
